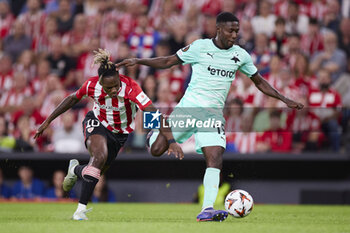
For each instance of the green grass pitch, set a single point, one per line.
(164, 218)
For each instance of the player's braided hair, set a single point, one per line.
(103, 58)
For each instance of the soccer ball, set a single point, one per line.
(239, 203)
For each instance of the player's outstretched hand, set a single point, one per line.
(126, 63)
(293, 104)
(175, 149)
(41, 129)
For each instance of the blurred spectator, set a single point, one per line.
(325, 102)
(6, 73)
(64, 16)
(245, 89)
(56, 190)
(42, 72)
(265, 21)
(296, 21)
(229, 6)
(24, 135)
(17, 6)
(316, 9)
(261, 54)
(76, 41)
(85, 68)
(276, 139)
(304, 79)
(262, 118)
(248, 9)
(17, 41)
(102, 193)
(55, 94)
(331, 19)
(27, 187)
(26, 64)
(345, 8)
(246, 36)
(287, 86)
(194, 19)
(6, 19)
(279, 39)
(273, 77)
(144, 39)
(150, 86)
(42, 42)
(7, 143)
(312, 41)
(111, 40)
(306, 128)
(11, 100)
(68, 138)
(34, 18)
(344, 36)
(209, 30)
(29, 108)
(162, 12)
(177, 35)
(61, 64)
(5, 191)
(233, 116)
(245, 140)
(124, 52)
(165, 99)
(294, 49)
(332, 59)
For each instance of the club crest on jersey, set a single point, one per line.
(90, 129)
(236, 59)
(184, 49)
(220, 72)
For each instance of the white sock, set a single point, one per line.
(81, 207)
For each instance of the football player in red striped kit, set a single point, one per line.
(106, 127)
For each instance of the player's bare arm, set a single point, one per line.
(267, 89)
(157, 62)
(66, 104)
(173, 146)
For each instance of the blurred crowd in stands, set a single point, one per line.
(27, 187)
(301, 47)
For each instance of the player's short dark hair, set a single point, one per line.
(107, 67)
(224, 17)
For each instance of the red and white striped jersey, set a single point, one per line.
(244, 142)
(15, 97)
(5, 25)
(6, 81)
(117, 114)
(34, 23)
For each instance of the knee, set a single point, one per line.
(157, 150)
(214, 160)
